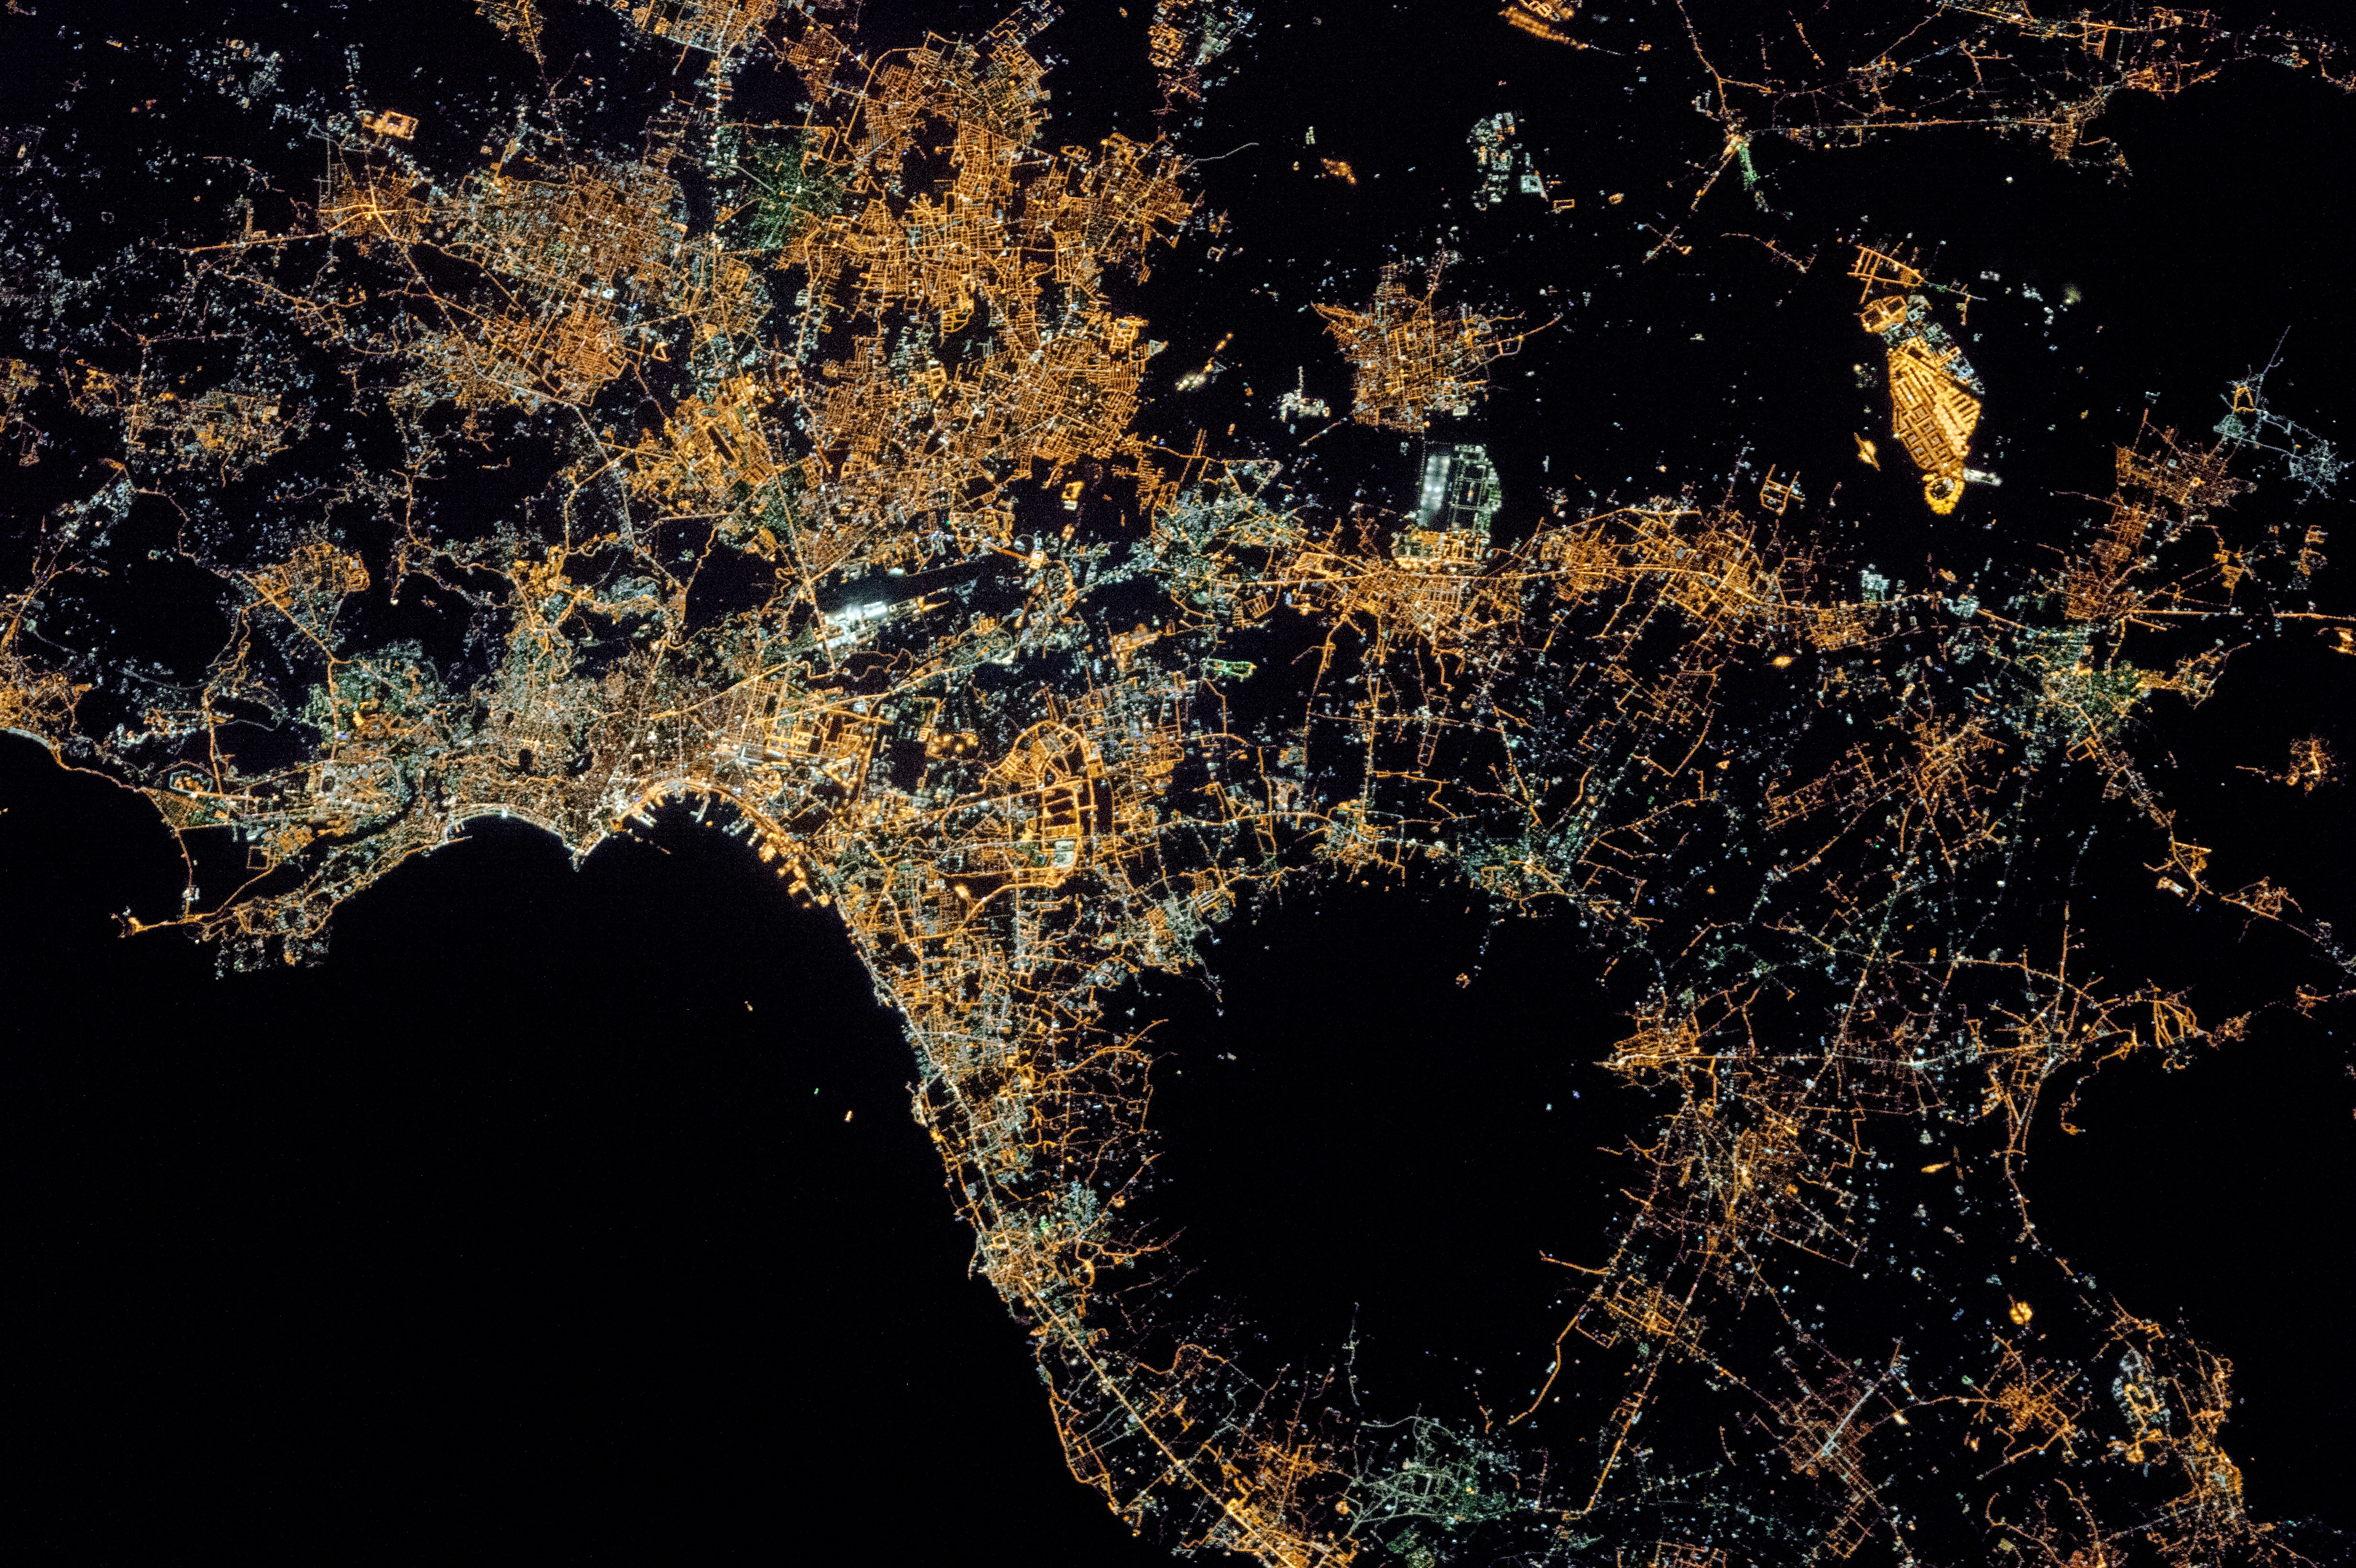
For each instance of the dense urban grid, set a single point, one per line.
(831, 506)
